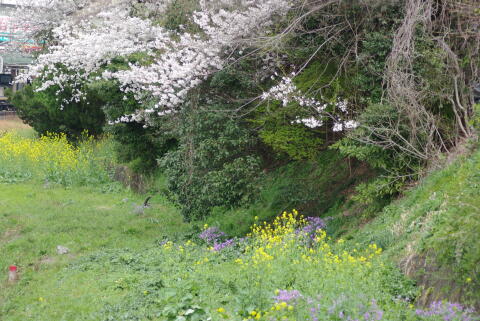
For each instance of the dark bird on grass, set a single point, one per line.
(139, 209)
(145, 204)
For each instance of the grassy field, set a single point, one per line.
(34, 220)
(121, 266)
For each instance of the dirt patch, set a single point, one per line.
(47, 260)
(12, 123)
(137, 182)
(436, 281)
(44, 260)
(104, 208)
(10, 235)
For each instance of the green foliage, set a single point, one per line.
(279, 131)
(294, 140)
(140, 147)
(382, 147)
(178, 14)
(318, 80)
(136, 146)
(367, 76)
(44, 112)
(279, 126)
(475, 120)
(217, 159)
(213, 165)
(315, 187)
(378, 188)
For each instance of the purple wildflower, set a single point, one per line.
(314, 224)
(219, 246)
(447, 311)
(338, 309)
(287, 296)
(313, 314)
(211, 234)
(376, 311)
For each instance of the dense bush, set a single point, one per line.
(384, 149)
(44, 112)
(214, 164)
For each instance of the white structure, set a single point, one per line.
(12, 62)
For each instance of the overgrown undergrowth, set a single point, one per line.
(130, 262)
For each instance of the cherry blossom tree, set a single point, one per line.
(181, 60)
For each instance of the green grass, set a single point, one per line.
(34, 220)
(113, 273)
(431, 232)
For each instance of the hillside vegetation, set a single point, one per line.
(431, 233)
(306, 160)
(130, 262)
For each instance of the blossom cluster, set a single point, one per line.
(211, 234)
(50, 157)
(43, 15)
(287, 92)
(314, 225)
(287, 296)
(181, 60)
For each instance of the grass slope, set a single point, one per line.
(34, 220)
(432, 232)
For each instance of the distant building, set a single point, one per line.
(12, 62)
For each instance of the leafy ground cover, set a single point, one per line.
(128, 262)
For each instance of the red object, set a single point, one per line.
(12, 274)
